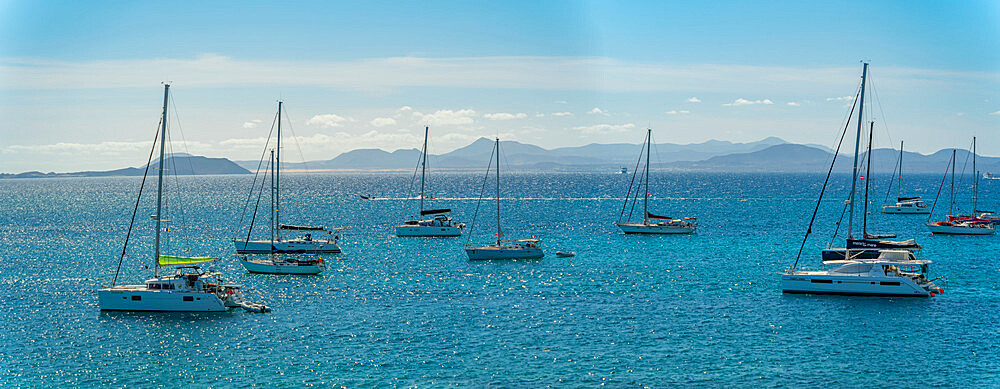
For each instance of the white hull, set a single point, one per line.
(408, 231)
(281, 267)
(824, 283)
(894, 210)
(960, 230)
(138, 298)
(490, 252)
(286, 246)
(655, 229)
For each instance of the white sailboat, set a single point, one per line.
(652, 224)
(190, 289)
(905, 205)
(440, 224)
(962, 224)
(307, 243)
(503, 248)
(892, 273)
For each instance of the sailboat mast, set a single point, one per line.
(975, 178)
(159, 183)
(868, 178)
(899, 189)
(498, 192)
(423, 171)
(277, 179)
(951, 202)
(273, 200)
(857, 146)
(645, 199)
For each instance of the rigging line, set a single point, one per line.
(635, 198)
(253, 184)
(482, 191)
(961, 174)
(898, 167)
(305, 164)
(260, 193)
(136, 208)
(945, 176)
(836, 231)
(825, 182)
(413, 178)
(177, 121)
(885, 122)
(628, 194)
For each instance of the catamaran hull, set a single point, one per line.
(894, 210)
(486, 254)
(294, 247)
(655, 229)
(125, 299)
(960, 230)
(280, 267)
(418, 231)
(851, 285)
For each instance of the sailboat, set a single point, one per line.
(503, 248)
(892, 273)
(652, 224)
(190, 289)
(905, 205)
(304, 244)
(870, 245)
(440, 224)
(963, 224)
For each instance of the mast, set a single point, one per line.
(159, 183)
(498, 193)
(277, 179)
(868, 178)
(645, 199)
(857, 146)
(273, 200)
(975, 179)
(951, 204)
(899, 189)
(423, 171)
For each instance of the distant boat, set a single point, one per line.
(990, 176)
(892, 273)
(440, 224)
(190, 289)
(962, 224)
(651, 224)
(905, 205)
(624, 170)
(565, 254)
(503, 248)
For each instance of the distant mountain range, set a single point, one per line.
(181, 164)
(767, 155)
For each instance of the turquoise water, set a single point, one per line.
(704, 309)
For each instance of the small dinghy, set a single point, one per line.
(565, 254)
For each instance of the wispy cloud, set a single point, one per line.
(562, 114)
(793, 104)
(505, 116)
(604, 128)
(694, 100)
(995, 113)
(382, 122)
(327, 120)
(447, 117)
(675, 112)
(252, 124)
(742, 101)
(842, 98)
(598, 111)
(560, 101)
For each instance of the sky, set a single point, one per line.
(81, 82)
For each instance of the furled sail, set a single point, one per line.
(434, 211)
(302, 228)
(168, 260)
(902, 199)
(652, 216)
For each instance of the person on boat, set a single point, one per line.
(309, 237)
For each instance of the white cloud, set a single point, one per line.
(539, 115)
(794, 104)
(90, 148)
(505, 116)
(446, 117)
(382, 122)
(604, 128)
(327, 120)
(405, 108)
(742, 101)
(598, 111)
(694, 100)
(842, 98)
(995, 113)
(675, 112)
(251, 124)
(562, 114)
(560, 101)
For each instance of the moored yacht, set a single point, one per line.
(651, 224)
(894, 273)
(962, 225)
(439, 223)
(304, 264)
(503, 248)
(912, 205)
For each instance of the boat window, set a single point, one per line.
(815, 281)
(136, 298)
(860, 268)
(188, 298)
(889, 283)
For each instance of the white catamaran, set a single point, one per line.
(503, 248)
(440, 224)
(190, 289)
(911, 205)
(305, 244)
(651, 224)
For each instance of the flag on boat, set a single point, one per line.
(168, 260)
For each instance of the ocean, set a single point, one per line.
(698, 310)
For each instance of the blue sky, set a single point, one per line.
(80, 82)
